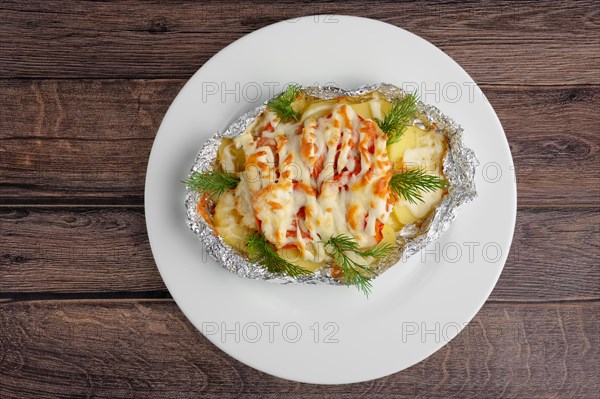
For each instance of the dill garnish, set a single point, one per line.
(212, 182)
(398, 118)
(411, 183)
(282, 104)
(353, 272)
(260, 250)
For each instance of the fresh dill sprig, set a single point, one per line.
(398, 118)
(212, 182)
(282, 104)
(413, 182)
(378, 251)
(353, 272)
(260, 250)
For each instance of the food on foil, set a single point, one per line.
(325, 185)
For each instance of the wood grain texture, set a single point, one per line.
(76, 141)
(83, 89)
(76, 251)
(554, 256)
(88, 142)
(149, 350)
(496, 42)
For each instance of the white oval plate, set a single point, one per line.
(328, 334)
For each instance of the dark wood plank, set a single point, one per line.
(87, 142)
(72, 141)
(555, 254)
(496, 42)
(148, 349)
(554, 137)
(76, 251)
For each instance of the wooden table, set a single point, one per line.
(83, 310)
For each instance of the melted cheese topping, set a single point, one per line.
(326, 175)
(304, 182)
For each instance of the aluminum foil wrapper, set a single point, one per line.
(459, 166)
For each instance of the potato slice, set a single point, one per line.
(293, 256)
(403, 214)
(407, 141)
(228, 222)
(317, 110)
(363, 109)
(389, 234)
(230, 158)
(394, 223)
